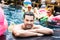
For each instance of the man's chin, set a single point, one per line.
(28, 27)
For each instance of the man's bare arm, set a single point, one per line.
(43, 30)
(24, 33)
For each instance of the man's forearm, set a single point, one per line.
(33, 30)
(27, 34)
(43, 31)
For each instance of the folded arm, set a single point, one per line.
(27, 34)
(24, 33)
(43, 30)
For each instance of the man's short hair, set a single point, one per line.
(29, 13)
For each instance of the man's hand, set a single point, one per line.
(40, 34)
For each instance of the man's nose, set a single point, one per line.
(29, 22)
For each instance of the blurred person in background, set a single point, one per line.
(29, 8)
(50, 14)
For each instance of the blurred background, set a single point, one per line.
(14, 10)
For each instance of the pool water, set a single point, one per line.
(13, 15)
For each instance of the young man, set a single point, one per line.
(28, 28)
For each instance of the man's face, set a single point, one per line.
(29, 8)
(28, 21)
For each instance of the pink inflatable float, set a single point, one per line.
(3, 23)
(56, 18)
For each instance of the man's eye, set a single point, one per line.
(31, 20)
(27, 20)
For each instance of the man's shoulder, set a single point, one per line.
(37, 26)
(21, 24)
(18, 26)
